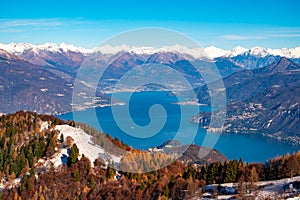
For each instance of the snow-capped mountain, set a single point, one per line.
(19, 48)
(62, 57)
(214, 52)
(61, 63)
(258, 52)
(236, 51)
(210, 52)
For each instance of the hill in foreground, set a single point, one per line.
(42, 158)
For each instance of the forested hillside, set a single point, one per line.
(24, 139)
(23, 142)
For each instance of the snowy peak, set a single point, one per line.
(214, 52)
(210, 52)
(70, 47)
(19, 48)
(15, 48)
(258, 52)
(285, 52)
(236, 51)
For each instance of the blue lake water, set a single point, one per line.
(251, 148)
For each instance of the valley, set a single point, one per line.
(261, 84)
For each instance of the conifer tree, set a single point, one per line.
(74, 153)
(62, 138)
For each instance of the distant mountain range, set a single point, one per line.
(262, 85)
(208, 52)
(68, 58)
(264, 100)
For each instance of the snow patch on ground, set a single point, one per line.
(270, 187)
(2, 186)
(9, 184)
(85, 144)
(44, 125)
(267, 189)
(60, 157)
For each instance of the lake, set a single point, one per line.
(134, 128)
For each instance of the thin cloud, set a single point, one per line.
(9, 23)
(23, 25)
(241, 37)
(285, 35)
(287, 32)
(11, 30)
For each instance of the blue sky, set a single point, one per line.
(223, 23)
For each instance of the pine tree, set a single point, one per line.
(172, 180)
(166, 191)
(74, 153)
(92, 183)
(231, 170)
(24, 182)
(111, 172)
(62, 139)
(241, 164)
(76, 176)
(14, 169)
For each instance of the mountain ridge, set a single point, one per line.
(210, 52)
(261, 101)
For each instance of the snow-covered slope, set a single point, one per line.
(85, 145)
(210, 52)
